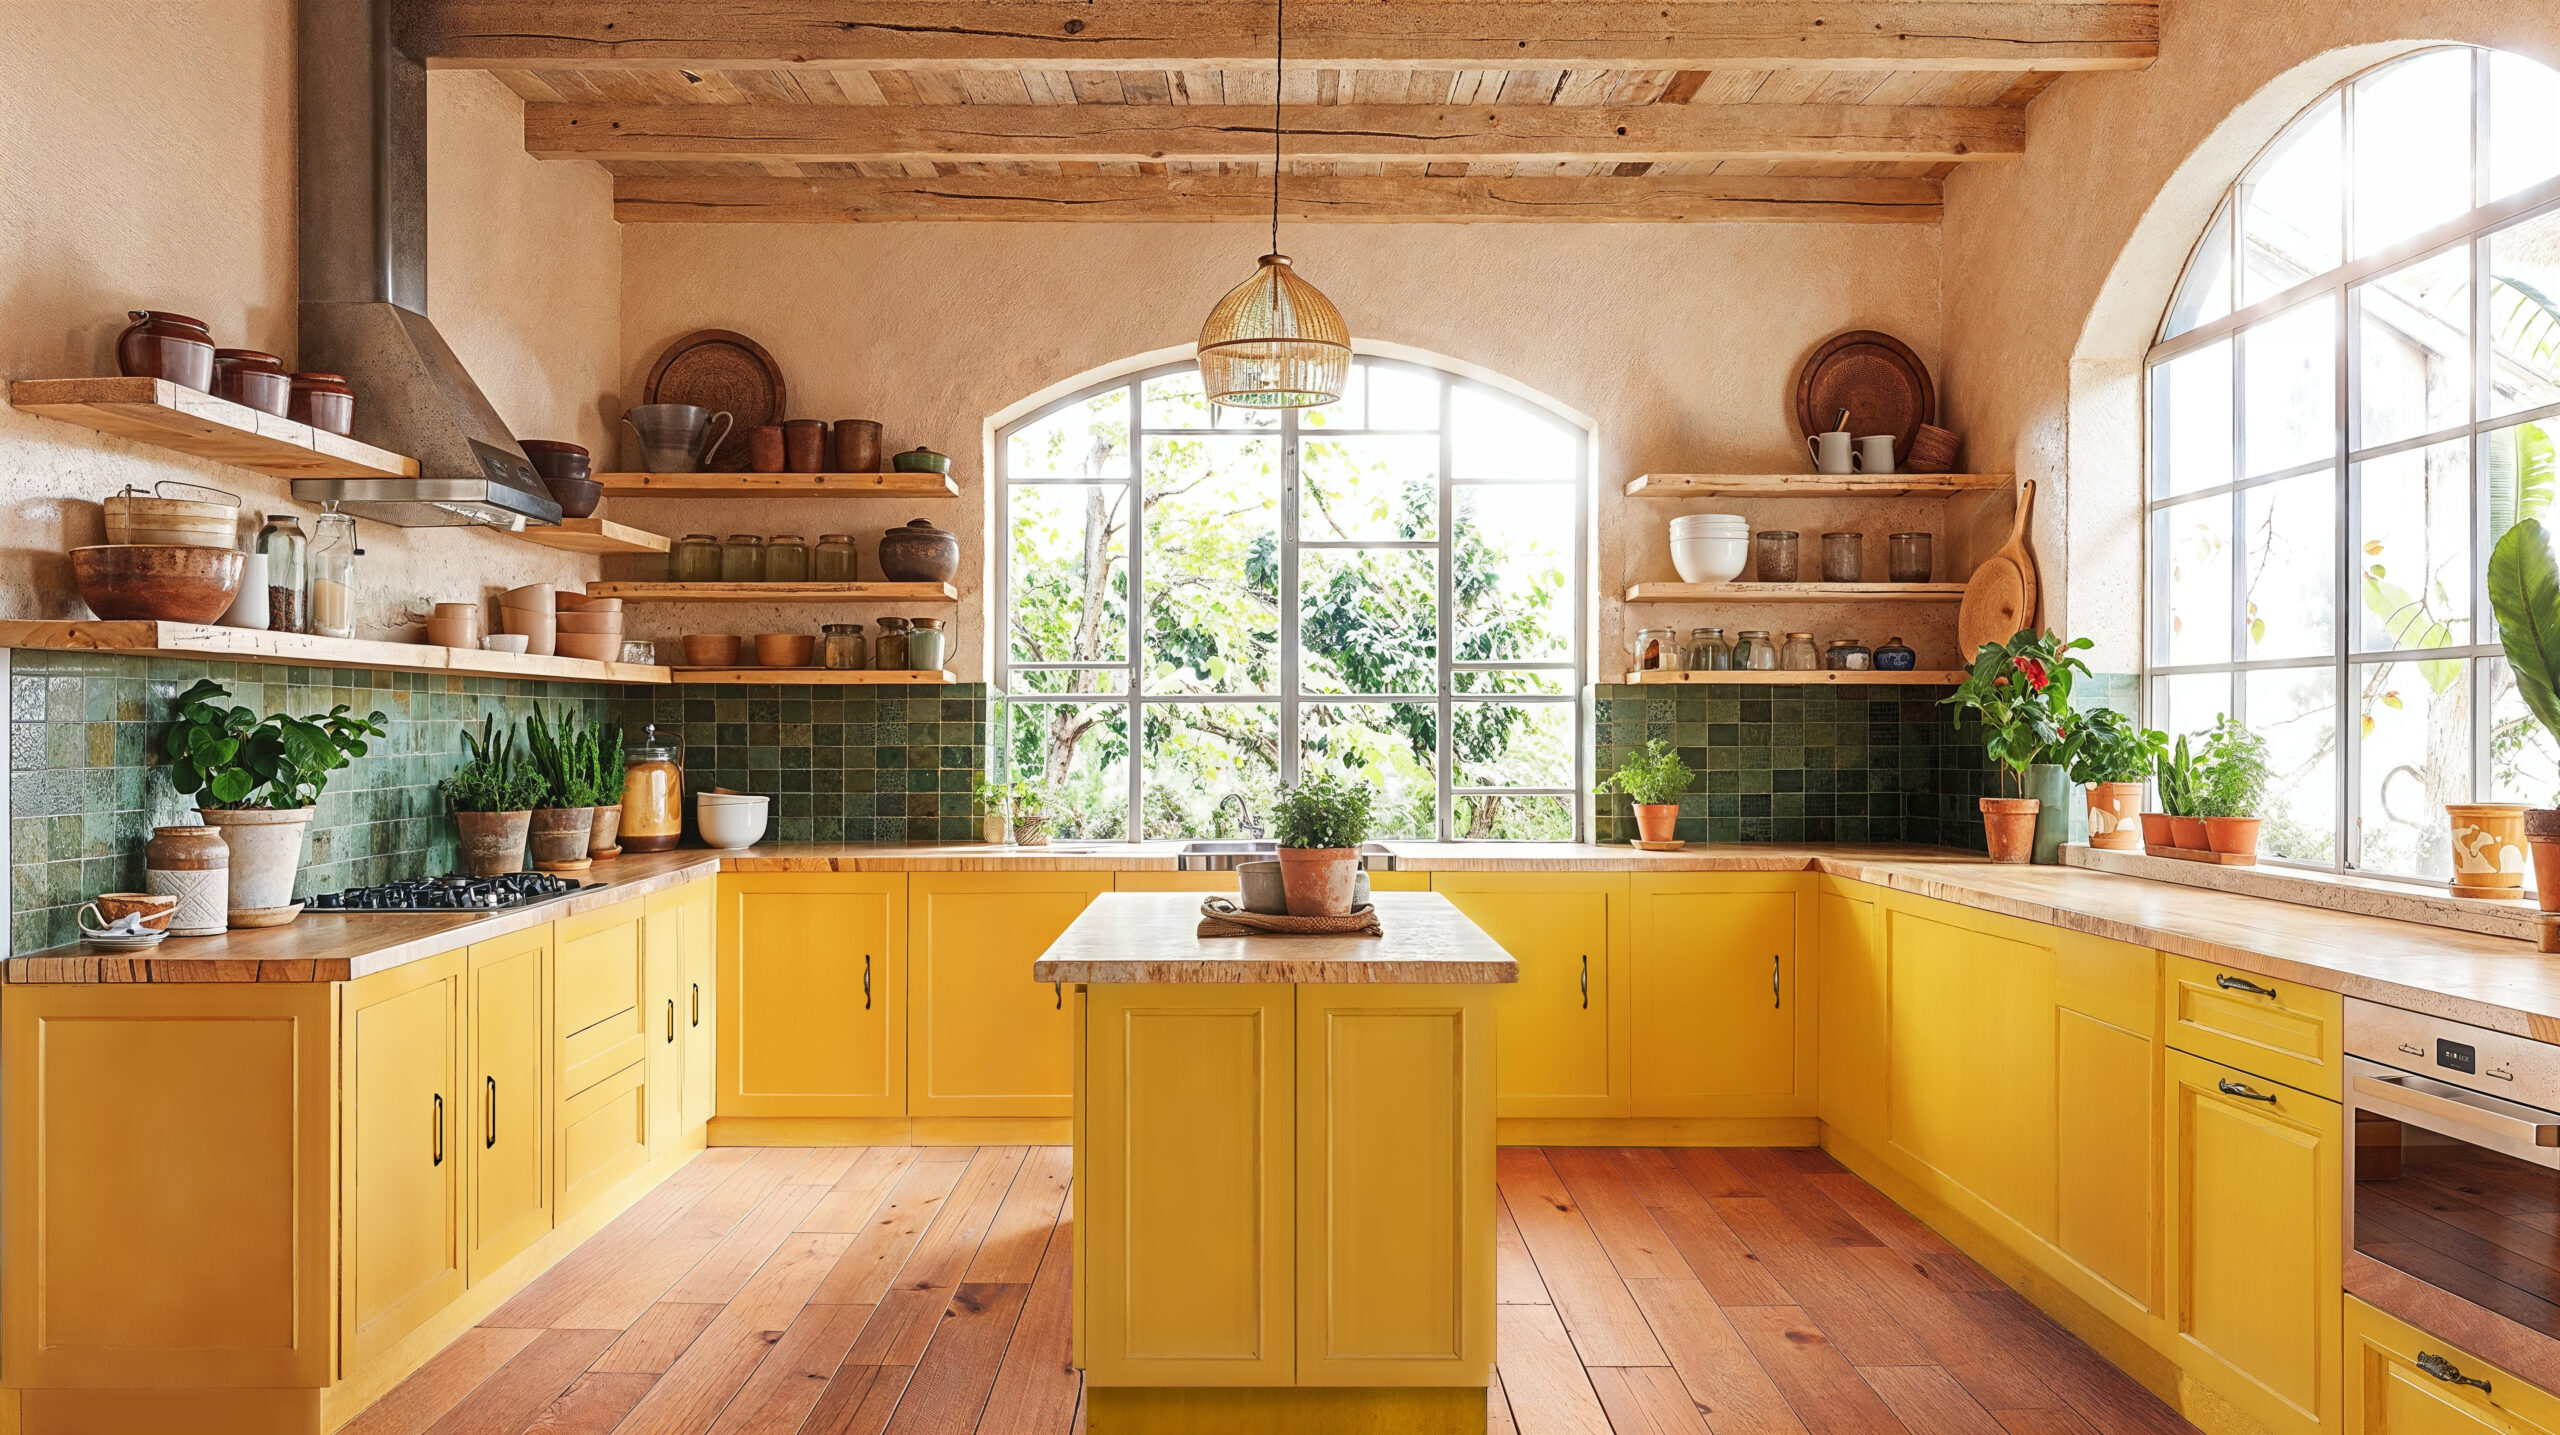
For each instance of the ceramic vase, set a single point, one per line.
(2114, 812)
(265, 845)
(1318, 880)
(2050, 786)
(192, 864)
(2488, 849)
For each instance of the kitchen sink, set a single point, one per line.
(1228, 855)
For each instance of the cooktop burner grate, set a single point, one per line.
(453, 893)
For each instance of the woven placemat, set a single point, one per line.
(1221, 917)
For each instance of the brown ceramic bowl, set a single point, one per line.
(712, 650)
(603, 647)
(785, 650)
(454, 632)
(532, 597)
(577, 497)
(589, 621)
(167, 582)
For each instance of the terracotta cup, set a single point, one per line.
(155, 908)
(857, 446)
(804, 446)
(765, 449)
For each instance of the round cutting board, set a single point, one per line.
(724, 372)
(1876, 377)
(2000, 597)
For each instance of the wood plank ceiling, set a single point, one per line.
(1450, 110)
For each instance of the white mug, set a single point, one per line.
(1875, 453)
(1831, 452)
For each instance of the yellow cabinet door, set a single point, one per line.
(1971, 1041)
(506, 1125)
(811, 994)
(1717, 953)
(2252, 1203)
(1565, 1039)
(604, 1137)
(2390, 1392)
(2106, 1072)
(599, 984)
(983, 1038)
(401, 1159)
(1851, 978)
(661, 1010)
(693, 927)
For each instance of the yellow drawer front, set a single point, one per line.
(2282, 1030)
(599, 986)
(604, 1136)
(2390, 1393)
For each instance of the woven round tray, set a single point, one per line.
(1221, 917)
(725, 372)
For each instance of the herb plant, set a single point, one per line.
(2177, 774)
(228, 757)
(2107, 746)
(1323, 812)
(2021, 689)
(495, 777)
(2231, 771)
(569, 760)
(1652, 777)
(2524, 593)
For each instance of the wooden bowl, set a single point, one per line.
(785, 650)
(712, 650)
(589, 621)
(167, 582)
(602, 647)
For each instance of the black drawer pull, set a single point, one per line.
(866, 981)
(491, 1143)
(2446, 1371)
(439, 1128)
(2233, 1088)
(2230, 983)
(1774, 1001)
(1586, 981)
(1061, 989)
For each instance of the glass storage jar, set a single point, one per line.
(696, 559)
(1842, 555)
(786, 559)
(833, 561)
(840, 646)
(1799, 655)
(288, 551)
(742, 559)
(333, 575)
(1847, 655)
(889, 652)
(927, 644)
(1655, 648)
(652, 793)
(1906, 557)
(1752, 652)
(1708, 652)
(1775, 556)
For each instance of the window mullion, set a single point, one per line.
(1291, 668)
(1444, 803)
(1135, 829)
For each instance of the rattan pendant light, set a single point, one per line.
(1275, 342)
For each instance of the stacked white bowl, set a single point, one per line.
(1710, 547)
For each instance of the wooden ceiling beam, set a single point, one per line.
(691, 199)
(1336, 133)
(1218, 34)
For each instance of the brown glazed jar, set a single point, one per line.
(157, 345)
(323, 401)
(919, 553)
(247, 376)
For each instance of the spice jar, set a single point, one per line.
(1708, 652)
(1841, 554)
(1847, 655)
(288, 553)
(1655, 649)
(786, 559)
(841, 647)
(1893, 657)
(889, 652)
(927, 644)
(1775, 560)
(652, 793)
(834, 561)
(696, 559)
(1799, 656)
(742, 559)
(1906, 557)
(1752, 652)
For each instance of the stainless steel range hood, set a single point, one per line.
(362, 129)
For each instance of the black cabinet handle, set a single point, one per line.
(671, 1020)
(2233, 1088)
(1774, 1000)
(1061, 989)
(2446, 1371)
(491, 1141)
(697, 1003)
(1586, 981)
(866, 981)
(2230, 983)
(439, 1128)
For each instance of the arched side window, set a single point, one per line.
(2355, 391)
(1389, 588)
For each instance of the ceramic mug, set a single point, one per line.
(677, 438)
(1875, 454)
(154, 908)
(1831, 452)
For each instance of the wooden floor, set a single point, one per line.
(1644, 1292)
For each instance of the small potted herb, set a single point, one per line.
(2231, 787)
(2021, 690)
(1653, 780)
(1030, 804)
(256, 779)
(605, 773)
(564, 759)
(1322, 822)
(2111, 755)
(991, 798)
(2178, 823)
(2524, 592)
(493, 794)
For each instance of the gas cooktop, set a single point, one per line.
(454, 893)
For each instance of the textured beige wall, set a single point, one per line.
(2059, 266)
(147, 161)
(1679, 342)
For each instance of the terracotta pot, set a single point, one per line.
(857, 445)
(919, 553)
(166, 346)
(266, 851)
(2155, 830)
(559, 838)
(607, 826)
(2188, 832)
(1318, 879)
(2113, 806)
(492, 843)
(192, 864)
(804, 446)
(2232, 836)
(2488, 849)
(2009, 827)
(2542, 835)
(323, 401)
(1656, 821)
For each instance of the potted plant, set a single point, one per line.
(2231, 787)
(2524, 593)
(564, 758)
(492, 794)
(2021, 689)
(1653, 780)
(2181, 826)
(991, 799)
(1322, 822)
(1030, 814)
(2111, 755)
(256, 779)
(2488, 849)
(605, 773)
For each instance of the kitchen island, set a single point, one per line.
(1284, 1179)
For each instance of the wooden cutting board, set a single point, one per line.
(2000, 598)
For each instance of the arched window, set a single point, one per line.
(2355, 391)
(1389, 587)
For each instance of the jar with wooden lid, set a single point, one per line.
(890, 652)
(786, 559)
(652, 793)
(833, 561)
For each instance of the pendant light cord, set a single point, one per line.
(1279, 54)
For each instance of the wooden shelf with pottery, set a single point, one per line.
(250, 645)
(1779, 677)
(815, 677)
(1796, 593)
(1810, 485)
(188, 421)
(594, 535)
(778, 485)
(776, 592)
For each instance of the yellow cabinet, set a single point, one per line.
(2252, 1203)
(2389, 1391)
(600, 986)
(1565, 1048)
(983, 1038)
(1722, 1026)
(401, 1256)
(1851, 977)
(663, 1010)
(2106, 1118)
(692, 913)
(1971, 1046)
(812, 985)
(2281, 1030)
(506, 1118)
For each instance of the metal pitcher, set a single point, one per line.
(672, 436)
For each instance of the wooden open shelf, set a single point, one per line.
(814, 677)
(1923, 677)
(776, 592)
(1810, 485)
(208, 641)
(1796, 593)
(170, 416)
(779, 485)
(594, 535)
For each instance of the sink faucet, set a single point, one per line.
(1246, 822)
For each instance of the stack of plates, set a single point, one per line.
(1710, 547)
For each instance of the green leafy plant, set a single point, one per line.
(569, 759)
(1651, 777)
(2021, 690)
(2230, 771)
(495, 777)
(1028, 800)
(2524, 592)
(228, 757)
(1323, 811)
(2107, 746)
(2176, 773)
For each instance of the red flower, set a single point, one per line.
(2034, 670)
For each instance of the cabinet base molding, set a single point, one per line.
(1657, 1131)
(891, 1130)
(156, 1412)
(1285, 1410)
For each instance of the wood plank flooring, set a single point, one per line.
(905, 1291)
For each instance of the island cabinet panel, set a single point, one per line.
(983, 1037)
(812, 994)
(167, 1159)
(1971, 1047)
(1853, 1042)
(2389, 1393)
(1192, 1152)
(506, 1114)
(2253, 1244)
(1395, 1185)
(401, 1257)
(1566, 1024)
(1715, 954)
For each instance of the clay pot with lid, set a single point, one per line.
(158, 345)
(323, 401)
(254, 378)
(919, 553)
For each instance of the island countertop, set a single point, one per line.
(1127, 938)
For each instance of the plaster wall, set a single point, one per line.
(1679, 344)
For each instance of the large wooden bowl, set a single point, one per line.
(164, 582)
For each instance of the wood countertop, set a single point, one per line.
(1154, 937)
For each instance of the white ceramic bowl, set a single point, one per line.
(505, 642)
(742, 799)
(1710, 560)
(731, 823)
(1717, 522)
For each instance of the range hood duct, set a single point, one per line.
(361, 124)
